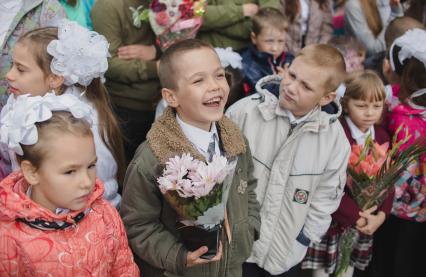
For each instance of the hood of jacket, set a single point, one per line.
(167, 139)
(320, 117)
(15, 204)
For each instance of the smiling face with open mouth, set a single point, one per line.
(202, 89)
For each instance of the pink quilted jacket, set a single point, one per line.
(96, 245)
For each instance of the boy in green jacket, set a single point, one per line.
(195, 88)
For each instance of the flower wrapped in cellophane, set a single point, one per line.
(175, 20)
(372, 172)
(198, 192)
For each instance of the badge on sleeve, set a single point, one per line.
(242, 186)
(301, 196)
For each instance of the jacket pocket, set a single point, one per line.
(242, 243)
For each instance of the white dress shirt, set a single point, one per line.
(357, 134)
(200, 138)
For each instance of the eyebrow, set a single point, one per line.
(305, 83)
(20, 64)
(202, 73)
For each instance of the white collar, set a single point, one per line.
(294, 120)
(198, 137)
(357, 134)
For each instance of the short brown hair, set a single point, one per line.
(363, 85)
(267, 18)
(167, 69)
(60, 123)
(398, 26)
(328, 58)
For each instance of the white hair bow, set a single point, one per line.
(18, 117)
(229, 58)
(79, 55)
(413, 44)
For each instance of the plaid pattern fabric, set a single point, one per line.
(325, 253)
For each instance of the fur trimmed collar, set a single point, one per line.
(166, 138)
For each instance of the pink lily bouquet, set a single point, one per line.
(198, 192)
(372, 172)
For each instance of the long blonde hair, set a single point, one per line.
(372, 16)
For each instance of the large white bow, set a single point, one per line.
(18, 117)
(79, 55)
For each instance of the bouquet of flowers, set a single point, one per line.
(198, 192)
(372, 172)
(174, 20)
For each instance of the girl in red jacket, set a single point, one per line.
(53, 219)
(363, 103)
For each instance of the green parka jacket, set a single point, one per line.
(224, 23)
(150, 221)
(132, 84)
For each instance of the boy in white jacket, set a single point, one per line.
(300, 155)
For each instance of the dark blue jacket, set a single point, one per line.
(257, 65)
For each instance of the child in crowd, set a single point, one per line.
(405, 230)
(17, 18)
(300, 155)
(351, 50)
(266, 55)
(363, 103)
(195, 89)
(53, 220)
(71, 60)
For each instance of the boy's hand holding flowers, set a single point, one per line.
(193, 257)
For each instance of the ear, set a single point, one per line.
(55, 81)
(30, 172)
(170, 97)
(328, 98)
(253, 38)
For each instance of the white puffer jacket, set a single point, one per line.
(301, 175)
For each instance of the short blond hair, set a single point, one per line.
(269, 18)
(329, 59)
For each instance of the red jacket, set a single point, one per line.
(348, 212)
(96, 245)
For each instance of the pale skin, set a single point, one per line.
(250, 9)
(193, 258)
(368, 223)
(137, 51)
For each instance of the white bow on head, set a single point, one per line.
(79, 55)
(413, 44)
(229, 58)
(17, 123)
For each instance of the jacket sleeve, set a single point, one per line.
(326, 198)
(355, 20)
(124, 264)
(253, 204)
(124, 71)
(52, 12)
(220, 16)
(141, 211)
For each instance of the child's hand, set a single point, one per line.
(282, 70)
(361, 222)
(193, 258)
(137, 51)
(250, 9)
(373, 222)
